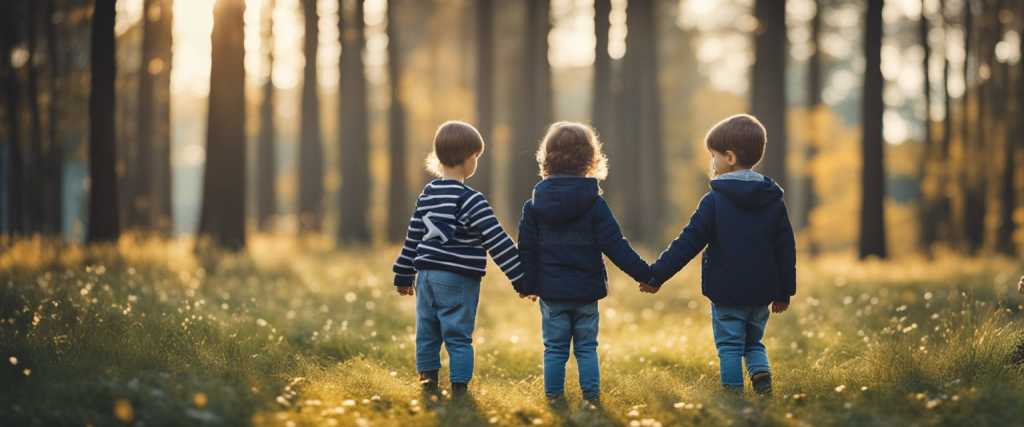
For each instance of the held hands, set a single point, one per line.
(405, 290)
(1020, 286)
(530, 297)
(648, 289)
(779, 307)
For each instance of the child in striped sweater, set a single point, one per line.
(450, 229)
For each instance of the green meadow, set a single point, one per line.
(296, 333)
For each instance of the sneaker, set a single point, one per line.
(762, 383)
(428, 379)
(460, 390)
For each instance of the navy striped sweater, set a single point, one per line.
(450, 229)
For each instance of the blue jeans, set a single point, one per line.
(738, 331)
(446, 313)
(575, 322)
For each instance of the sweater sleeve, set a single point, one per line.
(405, 272)
(785, 255)
(479, 215)
(529, 236)
(694, 237)
(616, 247)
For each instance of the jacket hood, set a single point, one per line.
(559, 200)
(748, 194)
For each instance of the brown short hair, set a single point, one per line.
(454, 142)
(572, 149)
(743, 135)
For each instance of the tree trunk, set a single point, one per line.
(15, 174)
(141, 187)
(354, 146)
(927, 212)
(266, 164)
(872, 218)
(161, 199)
(399, 204)
(54, 163)
(603, 105)
(768, 79)
(645, 185)
(311, 151)
(223, 211)
(104, 210)
(946, 182)
(813, 105)
(536, 101)
(485, 91)
(972, 183)
(36, 176)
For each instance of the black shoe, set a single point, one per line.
(460, 390)
(593, 403)
(429, 381)
(762, 384)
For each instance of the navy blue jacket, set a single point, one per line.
(751, 255)
(565, 228)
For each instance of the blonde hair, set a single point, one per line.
(454, 142)
(572, 149)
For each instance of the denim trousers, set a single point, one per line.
(576, 323)
(446, 313)
(738, 331)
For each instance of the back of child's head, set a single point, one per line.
(572, 149)
(743, 135)
(454, 142)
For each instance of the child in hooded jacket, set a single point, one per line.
(565, 228)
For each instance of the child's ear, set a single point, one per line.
(730, 158)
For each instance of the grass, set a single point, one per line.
(293, 333)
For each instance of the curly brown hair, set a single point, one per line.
(572, 149)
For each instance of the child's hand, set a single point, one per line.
(1020, 286)
(779, 307)
(405, 290)
(530, 297)
(648, 289)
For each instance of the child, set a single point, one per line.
(565, 228)
(750, 260)
(450, 227)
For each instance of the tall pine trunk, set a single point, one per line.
(160, 196)
(266, 164)
(354, 146)
(813, 106)
(768, 79)
(945, 202)
(972, 184)
(535, 112)
(54, 159)
(311, 152)
(603, 106)
(36, 176)
(645, 187)
(14, 177)
(399, 204)
(104, 210)
(927, 212)
(872, 218)
(484, 91)
(141, 186)
(223, 211)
